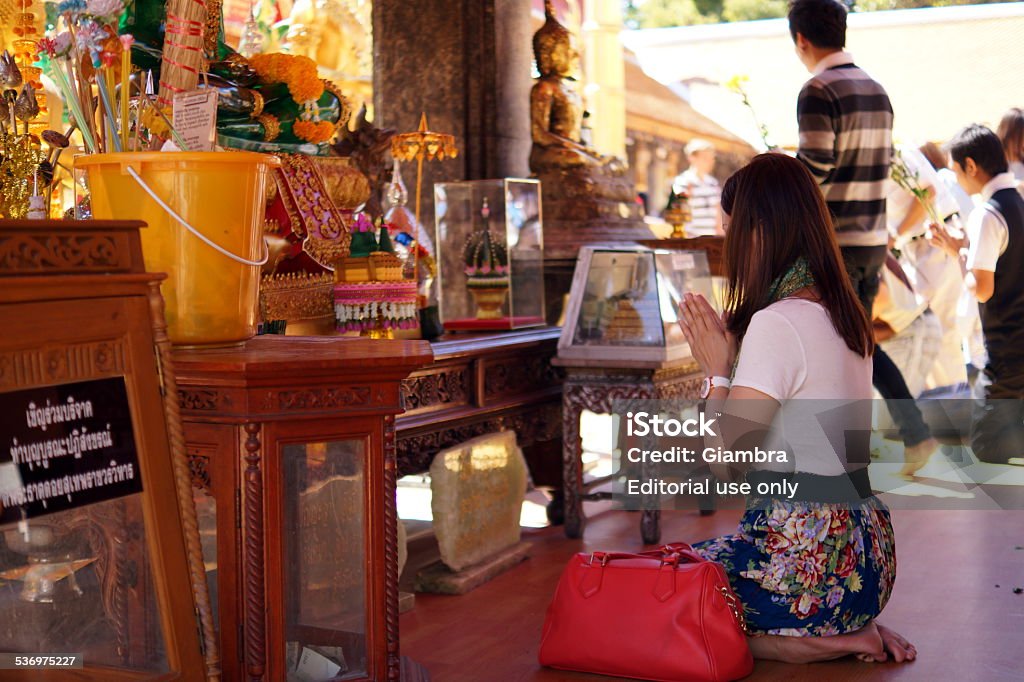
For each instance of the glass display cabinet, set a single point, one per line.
(291, 444)
(621, 341)
(490, 245)
(623, 305)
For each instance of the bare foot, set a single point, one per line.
(894, 645)
(916, 456)
(864, 642)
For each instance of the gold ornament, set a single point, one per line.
(27, 27)
(271, 127)
(20, 162)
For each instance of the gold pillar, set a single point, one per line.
(641, 165)
(604, 69)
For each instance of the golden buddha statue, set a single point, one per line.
(587, 196)
(336, 35)
(556, 108)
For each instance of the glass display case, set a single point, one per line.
(324, 528)
(64, 587)
(490, 256)
(624, 301)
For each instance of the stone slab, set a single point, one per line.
(477, 498)
(440, 579)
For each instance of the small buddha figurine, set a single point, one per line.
(556, 108)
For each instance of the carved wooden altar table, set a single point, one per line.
(481, 383)
(595, 385)
(292, 446)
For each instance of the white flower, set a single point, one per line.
(62, 44)
(105, 10)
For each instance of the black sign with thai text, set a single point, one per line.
(66, 446)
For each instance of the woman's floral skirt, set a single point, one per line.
(809, 569)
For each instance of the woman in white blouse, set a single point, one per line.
(789, 364)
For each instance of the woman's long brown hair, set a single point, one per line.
(776, 215)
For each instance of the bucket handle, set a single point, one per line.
(196, 233)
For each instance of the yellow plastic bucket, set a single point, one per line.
(205, 213)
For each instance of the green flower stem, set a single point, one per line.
(108, 113)
(57, 74)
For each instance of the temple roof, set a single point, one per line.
(654, 108)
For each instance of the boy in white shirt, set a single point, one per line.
(991, 257)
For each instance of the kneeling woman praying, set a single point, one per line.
(793, 351)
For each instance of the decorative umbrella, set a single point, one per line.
(424, 144)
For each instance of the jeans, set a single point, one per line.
(997, 424)
(864, 265)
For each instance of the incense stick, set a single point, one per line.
(108, 109)
(126, 69)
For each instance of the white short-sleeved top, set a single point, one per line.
(986, 228)
(792, 353)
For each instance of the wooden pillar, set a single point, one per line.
(641, 165)
(466, 63)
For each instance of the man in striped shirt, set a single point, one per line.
(702, 188)
(845, 121)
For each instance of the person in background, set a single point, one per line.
(905, 326)
(702, 188)
(845, 126)
(1011, 134)
(967, 310)
(990, 256)
(934, 275)
(641, 200)
(940, 163)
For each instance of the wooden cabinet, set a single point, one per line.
(291, 444)
(97, 557)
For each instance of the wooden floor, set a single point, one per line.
(953, 599)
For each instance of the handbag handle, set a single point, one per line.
(670, 553)
(664, 587)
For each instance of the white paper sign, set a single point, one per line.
(195, 119)
(682, 261)
(313, 667)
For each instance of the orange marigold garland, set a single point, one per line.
(314, 131)
(299, 73)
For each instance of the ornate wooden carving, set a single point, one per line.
(391, 552)
(445, 387)
(199, 469)
(58, 365)
(320, 398)
(685, 389)
(200, 400)
(182, 481)
(54, 254)
(255, 625)
(597, 390)
(105, 528)
(518, 374)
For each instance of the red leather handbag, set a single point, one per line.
(665, 615)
